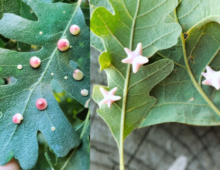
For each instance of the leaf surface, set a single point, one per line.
(131, 23)
(8, 6)
(78, 158)
(181, 97)
(53, 23)
(96, 41)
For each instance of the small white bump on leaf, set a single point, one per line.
(40, 32)
(53, 128)
(52, 74)
(65, 77)
(84, 92)
(19, 66)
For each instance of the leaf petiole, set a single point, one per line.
(49, 161)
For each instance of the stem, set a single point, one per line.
(199, 89)
(121, 143)
(48, 160)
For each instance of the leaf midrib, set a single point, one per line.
(52, 55)
(127, 81)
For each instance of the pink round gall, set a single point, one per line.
(63, 44)
(35, 62)
(41, 104)
(17, 118)
(11, 165)
(74, 29)
(77, 74)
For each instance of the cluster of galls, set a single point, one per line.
(63, 45)
(41, 104)
(136, 59)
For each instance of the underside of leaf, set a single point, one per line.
(181, 97)
(131, 23)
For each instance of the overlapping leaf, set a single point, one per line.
(54, 20)
(182, 97)
(78, 158)
(8, 6)
(133, 22)
(96, 41)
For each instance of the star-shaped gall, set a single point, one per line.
(212, 78)
(109, 97)
(135, 58)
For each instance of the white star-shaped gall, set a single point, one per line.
(135, 58)
(109, 97)
(212, 78)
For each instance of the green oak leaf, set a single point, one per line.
(2, 81)
(96, 41)
(20, 141)
(8, 6)
(84, 7)
(132, 22)
(104, 3)
(86, 11)
(47, 1)
(181, 97)
(78, 158)
(68, 105)
(26, 12)
(20, 8)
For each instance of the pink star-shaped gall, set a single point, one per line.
(135, 58)
(212, 78)
(109, 97)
